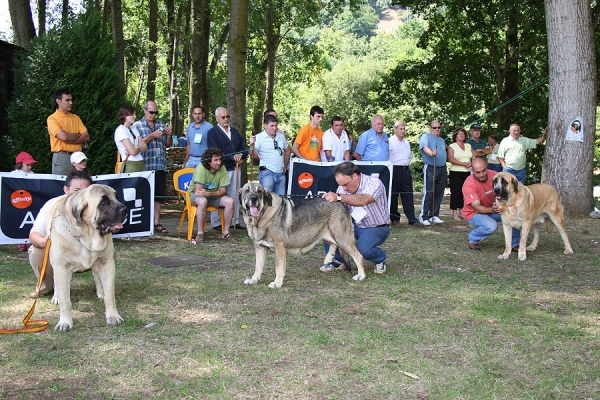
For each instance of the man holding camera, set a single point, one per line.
(158, 137)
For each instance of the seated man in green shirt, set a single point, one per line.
(209, 188)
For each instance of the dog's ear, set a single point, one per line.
(515, 183)
(78, 208)
(268, 199)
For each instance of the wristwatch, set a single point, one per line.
(339, 198)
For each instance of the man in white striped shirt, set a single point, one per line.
(366, 198)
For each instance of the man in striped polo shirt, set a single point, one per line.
(366, 198)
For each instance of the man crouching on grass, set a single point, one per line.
(366, 198)
(209, 188)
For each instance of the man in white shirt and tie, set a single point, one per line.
(400, 155)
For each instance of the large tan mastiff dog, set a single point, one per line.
(526, 207)
(295, 226)
(80, 227)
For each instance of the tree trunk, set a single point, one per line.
(22, 22)
(152, 43)
(65, 13)
(41, 6)
(236, 64)
(173, 23)
(219, 49)
(200, 16)
(236, 67)
(106, 13)
(117, 34)
(568, 165)
(273, 38)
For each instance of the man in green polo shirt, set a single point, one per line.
(511, 152)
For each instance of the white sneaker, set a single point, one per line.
(424, 222)
(595, 214)
(436, 220)
(380, 268)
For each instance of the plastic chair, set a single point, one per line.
(181, 181)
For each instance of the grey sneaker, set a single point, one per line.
(380, 268)
(335, 264)
(436, 220)
(424, 222)
(595, 214)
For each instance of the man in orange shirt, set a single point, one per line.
(67, 133)
(308, 141)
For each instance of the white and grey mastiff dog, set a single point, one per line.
(295, 226)
(80, 229)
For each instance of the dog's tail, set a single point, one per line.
(345, 259)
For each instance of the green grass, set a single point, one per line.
(468, 325)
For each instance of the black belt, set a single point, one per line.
(191, 155)
(401, 166)
(64, 152)
(383, 226)
(262, 168)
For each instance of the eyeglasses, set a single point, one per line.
(225, 116)
(152, 112)
(436, 127)
(276, 147)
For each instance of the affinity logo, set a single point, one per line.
(21, 199)
(305, 180)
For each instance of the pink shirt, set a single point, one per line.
(474, 190)
(378, 212)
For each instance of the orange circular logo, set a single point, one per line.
(305, 180)
(21, 199)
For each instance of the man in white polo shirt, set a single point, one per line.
(273, 151)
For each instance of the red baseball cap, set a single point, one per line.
(25, 158)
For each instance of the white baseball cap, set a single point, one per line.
(78, 157)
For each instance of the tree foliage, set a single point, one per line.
(82, 59)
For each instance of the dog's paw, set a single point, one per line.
(568, 251)
(250, 281)
(114, 320)
(64, 326)
(503, 256)
(522, 257)
(274, 285)
(359, 277)
(531, 248)
(54, 299)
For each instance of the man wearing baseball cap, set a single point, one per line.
(479, 146)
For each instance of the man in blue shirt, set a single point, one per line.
(433, 152)
(373, 145)
(197, 138)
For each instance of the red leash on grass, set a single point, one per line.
(34, 325)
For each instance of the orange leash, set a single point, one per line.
(34, 325)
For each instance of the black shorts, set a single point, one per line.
(160, 186)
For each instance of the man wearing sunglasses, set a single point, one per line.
(232, 144)
(433, 152)
(273, 151)
(158, 137)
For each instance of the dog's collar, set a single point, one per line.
(68, 230)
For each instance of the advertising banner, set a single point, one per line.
(22, 196)
(312, 178)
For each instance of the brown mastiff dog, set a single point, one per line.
(526, 207)
(80, 227)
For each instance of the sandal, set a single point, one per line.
(227, 236)
(160, 229)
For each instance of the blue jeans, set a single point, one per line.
(193, 162)
(495, 167)
(272, 181)
(520, 174)
(485, 225)
(367, 240)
